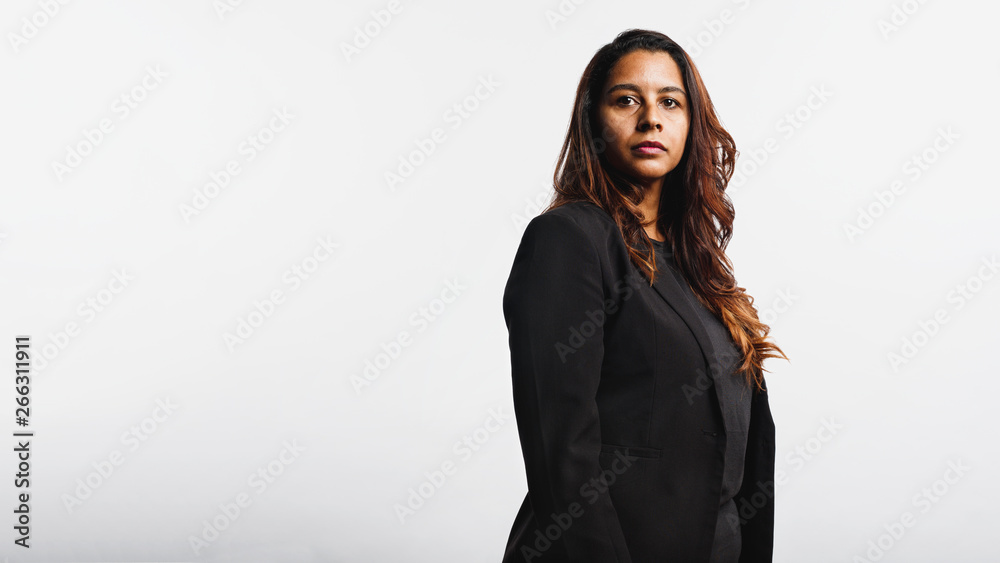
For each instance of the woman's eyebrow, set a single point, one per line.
(630, 86)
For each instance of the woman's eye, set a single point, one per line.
(670, 102)
(623, 99)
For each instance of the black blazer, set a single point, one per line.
(609, 389)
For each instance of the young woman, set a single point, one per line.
(636, 360)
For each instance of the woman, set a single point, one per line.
(636, 359)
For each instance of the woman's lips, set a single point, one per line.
(648, 149)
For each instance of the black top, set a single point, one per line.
(735, 393)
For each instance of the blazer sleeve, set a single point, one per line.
(757, 490)
(555, 290)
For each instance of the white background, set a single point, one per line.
(839, 303)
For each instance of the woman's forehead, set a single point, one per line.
(646, 70)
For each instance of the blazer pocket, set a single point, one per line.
(634, 451)
(629, 468)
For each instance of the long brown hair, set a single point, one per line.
(695, 212)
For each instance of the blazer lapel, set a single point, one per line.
(671, 291)
(675, 296)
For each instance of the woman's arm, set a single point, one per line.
(554, 283)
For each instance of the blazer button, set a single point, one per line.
(710, 433)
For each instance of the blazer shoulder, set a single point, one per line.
(587, 216)
(570, 239)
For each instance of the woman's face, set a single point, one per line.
(643, 102)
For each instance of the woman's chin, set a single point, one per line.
(647, 174)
